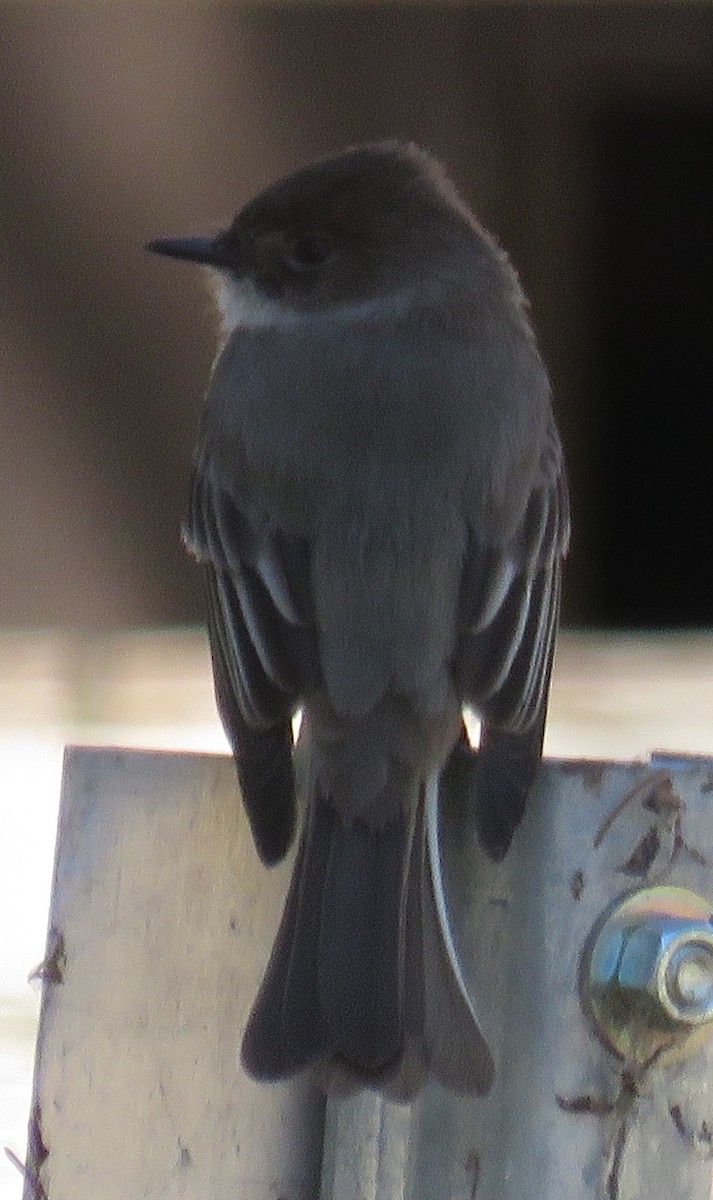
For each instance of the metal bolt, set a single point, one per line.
(685, 978)
(647, 975)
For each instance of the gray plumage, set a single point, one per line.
(380, 504)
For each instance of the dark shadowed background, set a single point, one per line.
(582, 135)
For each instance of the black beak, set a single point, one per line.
(208, 250)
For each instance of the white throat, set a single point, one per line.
(243, 305)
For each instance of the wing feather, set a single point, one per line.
(510, 605)
(263, 648)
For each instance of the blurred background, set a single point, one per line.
(581, 133)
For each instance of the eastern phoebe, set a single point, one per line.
(380, 505)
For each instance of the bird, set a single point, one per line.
(380, 507)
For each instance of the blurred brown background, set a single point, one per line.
(583, 136)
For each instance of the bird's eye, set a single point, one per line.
(309, 251)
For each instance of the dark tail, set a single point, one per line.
(360, 985)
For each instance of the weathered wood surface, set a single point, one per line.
(521, 927)
(161, 922)
(160, 925)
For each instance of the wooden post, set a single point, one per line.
(160, 925)
(566, 1119)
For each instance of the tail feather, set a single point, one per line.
(333, 983)
(286, 1028)
(361, 983)
(459, 1055)
(359, 959)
